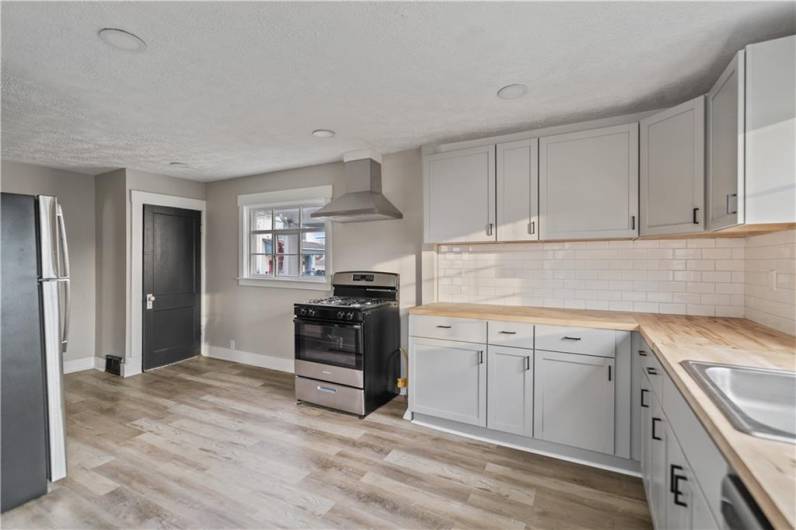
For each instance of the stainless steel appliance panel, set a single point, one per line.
(331, 373)
(331, 395)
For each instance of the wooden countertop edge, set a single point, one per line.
(696, 398)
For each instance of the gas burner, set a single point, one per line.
(347, 301)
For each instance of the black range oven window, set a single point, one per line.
(327, 343)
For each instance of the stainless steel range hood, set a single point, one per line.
(363, 200)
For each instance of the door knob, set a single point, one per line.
(150, 300)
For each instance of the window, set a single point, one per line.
(280, 241)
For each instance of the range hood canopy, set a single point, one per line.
(363, 199)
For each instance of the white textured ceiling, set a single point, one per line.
(236, 88)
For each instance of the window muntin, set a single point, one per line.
(286, 243)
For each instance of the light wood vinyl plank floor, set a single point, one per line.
(213, 444)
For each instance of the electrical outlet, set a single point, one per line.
(232, 344)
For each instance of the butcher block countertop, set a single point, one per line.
(767, 467)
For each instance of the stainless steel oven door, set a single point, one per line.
(330, 343)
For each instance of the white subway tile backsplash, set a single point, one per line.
(753, 277)
(666, 276)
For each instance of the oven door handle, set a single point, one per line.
(327, 323)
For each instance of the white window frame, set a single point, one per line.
(314, 196)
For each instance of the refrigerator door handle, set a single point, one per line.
(63, 276)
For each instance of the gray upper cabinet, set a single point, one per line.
(448, 380)
(518, 190)
(672, 174)
(459, 196)
(771, 131)
(588, 184)
(574, 400)
(510, 401)
(725, 108)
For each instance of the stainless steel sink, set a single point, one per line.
(756, 401)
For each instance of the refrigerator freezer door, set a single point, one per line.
(51, 280)
(24, 409)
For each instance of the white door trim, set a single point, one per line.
(134, 360)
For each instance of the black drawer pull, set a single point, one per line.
(570, 338)
(674, 484)
(642, 353)
(443, 327)
(644, 403)
(508, 332)
(652, 371)
(655, 436)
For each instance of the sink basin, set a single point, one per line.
(756, 401)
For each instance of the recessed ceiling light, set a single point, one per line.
(512, 91)
(323, 133)
(122, 40)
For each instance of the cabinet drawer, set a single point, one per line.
(512, 334)
(654, 371)
(447, 328)
(586, 341)
(330, 395)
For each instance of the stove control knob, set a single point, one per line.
(302, 311)
(340, 315)
(311, 312)
(349, 315)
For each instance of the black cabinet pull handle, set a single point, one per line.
(652, 371)
(480, 356)
(508, 332)
(655, 436)
(642, 353)
(696, 221)
(443, 327)
(633, 222)
(643, 403)
(674, 486)
(609, 372)
(570, 338)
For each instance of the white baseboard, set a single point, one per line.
(282, 364)
(78, 365)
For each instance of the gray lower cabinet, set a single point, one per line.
(574, 400)
(448, 380)
(510, 397)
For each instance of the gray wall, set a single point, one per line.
(110, 210)
(259, 319)
(75, 193)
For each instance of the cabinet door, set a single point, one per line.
(588, 183)
(678, 482)
(574, 400)
(725, 106)
(518, 190)
(771, 131)
(673, 170)
(459, 196)
(657, 464)
(510, 394)
(448, 380)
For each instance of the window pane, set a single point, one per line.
(313, 265)
(286, 218)
(313, 241)
(287, 265)
(261, 244)
(287, 244)
(309, 222)
(262, 266)
(260, 219)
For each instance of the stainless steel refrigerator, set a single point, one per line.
(34, 273)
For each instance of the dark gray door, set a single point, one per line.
(172, 285)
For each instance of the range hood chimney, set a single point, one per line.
(363, 200)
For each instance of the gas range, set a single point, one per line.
(347, 346)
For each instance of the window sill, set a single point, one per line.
(311, 285)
